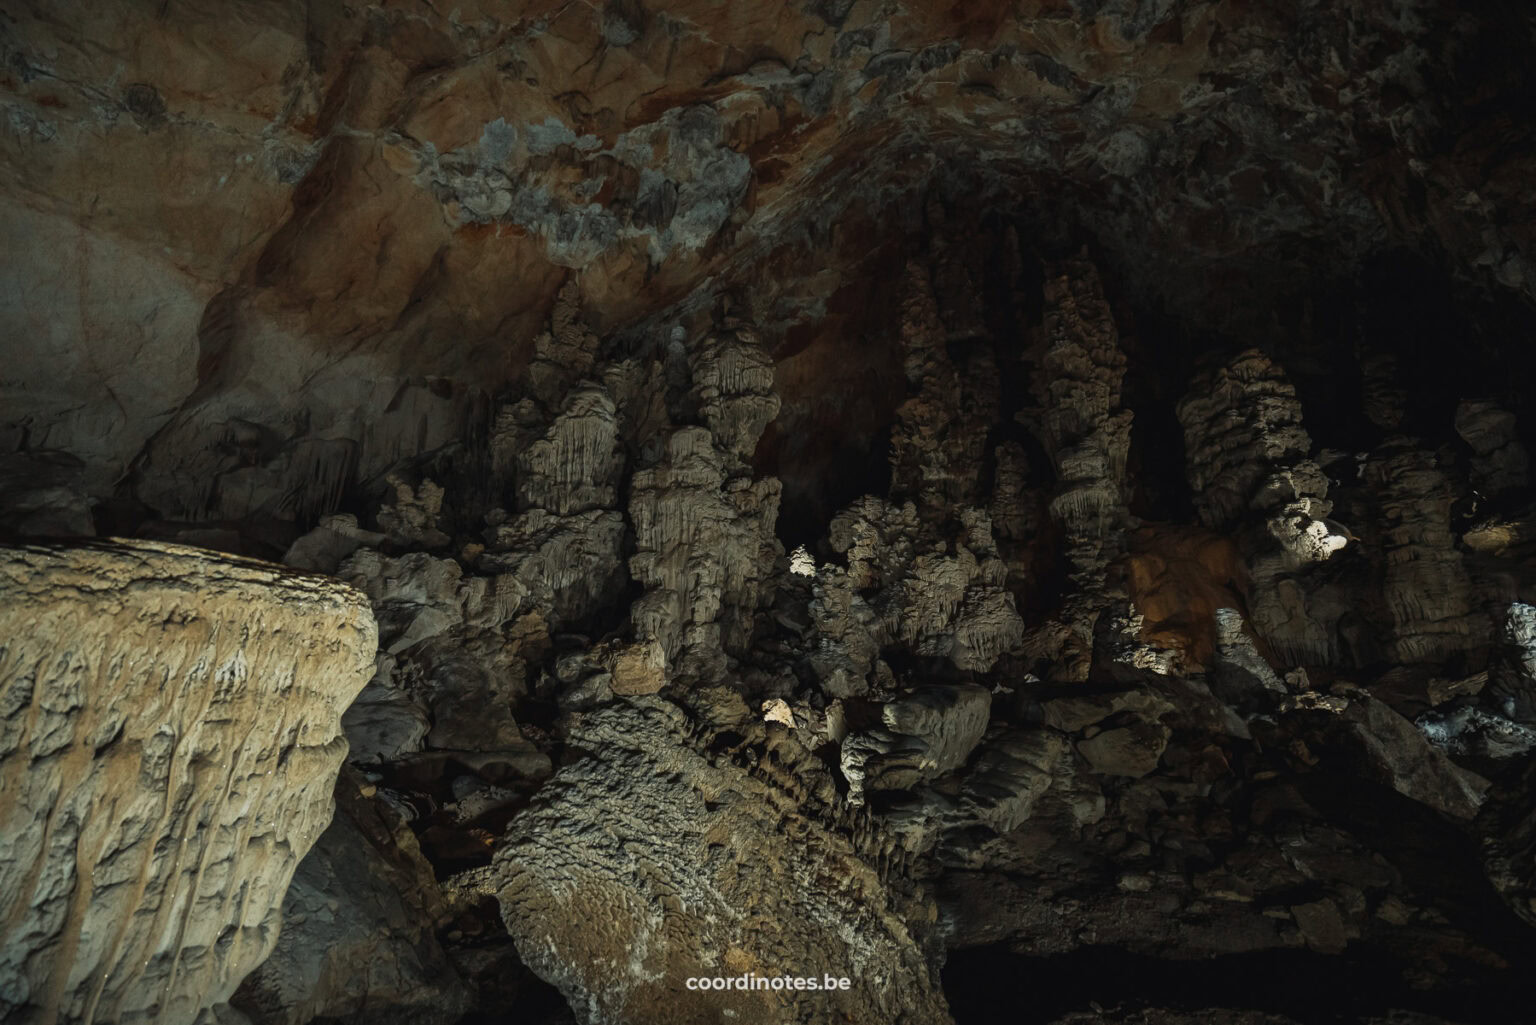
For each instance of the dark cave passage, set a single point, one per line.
(995, 986)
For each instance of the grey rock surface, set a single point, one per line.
(358, 942)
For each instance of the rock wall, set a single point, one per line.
(1249, 468)
(360, 923)
(1086, 432)
(1005, 706)
(169, 738)
(1426, 588)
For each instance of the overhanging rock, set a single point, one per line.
(169, 739)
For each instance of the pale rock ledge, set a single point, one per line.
(170, 734)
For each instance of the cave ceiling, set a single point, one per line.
(301, 216)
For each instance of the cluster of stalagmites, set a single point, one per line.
(614, 737)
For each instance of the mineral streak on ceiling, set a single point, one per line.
(330, 221)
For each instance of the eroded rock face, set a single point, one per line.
(654, 860)
(169, 739)
(1249, 467)
(993, 704)
(923, 735)
(1086, 431)
(1161, 586)
(1499, 462)
(702, 535)
(1426, 588)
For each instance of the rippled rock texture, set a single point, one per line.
(660, 859)
(169, 737)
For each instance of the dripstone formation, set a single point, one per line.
(615, 865)
(511, 510)
(171, 736)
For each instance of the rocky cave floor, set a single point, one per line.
(1100, 598)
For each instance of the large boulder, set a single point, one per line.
(652, 862)
(359, 943)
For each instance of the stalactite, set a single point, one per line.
(318, 476)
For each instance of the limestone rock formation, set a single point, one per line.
(1499, 462)
(1086, 432)
(939, 440)
(1510, 694)
(703, 525)
(1083, 425)
(922, 735)
(1024, 505)
(323, 549)
(652, 861)
(358, 940)
(171, 735)
(1250, 467)
(386, 722)
(570, 565)
(993, 796)
(701, 534)
(1010, 775)
(934, 596)
(733, 386)
(986, 707)
(440, 207)
(1426, 587)
(1246, 446)
(411, 519)
(574, 466)
(450, 665)
(1400, 755)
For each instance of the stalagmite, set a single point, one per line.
(1248, 460)
(1024, 509)
(1086, 432)
(1425, 587)
(632, 857)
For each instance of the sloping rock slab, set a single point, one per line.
(649, 861)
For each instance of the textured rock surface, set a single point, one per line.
(1247, 455)
(359, 931)
(652, 861)
(335, 220)
(922, 735)
(1086, 432)
(1426, 588)
(992, 710)
(1080, 730)
(1499, 462)
(169, 737)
